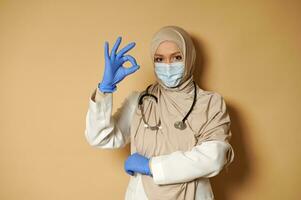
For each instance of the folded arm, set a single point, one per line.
(211, 154)
(205, 160)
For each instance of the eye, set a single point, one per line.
(158, 59)
(178, 57)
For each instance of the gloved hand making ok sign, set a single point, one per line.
(114, 71)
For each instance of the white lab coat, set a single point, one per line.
(106, 130)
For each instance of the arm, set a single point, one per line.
(206, 159)
(104, 130)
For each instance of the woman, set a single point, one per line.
(179, 133)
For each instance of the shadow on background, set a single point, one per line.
(240, 169)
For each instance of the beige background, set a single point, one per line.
(51, 58)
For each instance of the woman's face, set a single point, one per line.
(168, 52)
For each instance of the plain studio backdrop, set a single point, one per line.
(51, 59)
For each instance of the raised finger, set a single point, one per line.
(125, 49)
(115, 47)
(106, 50)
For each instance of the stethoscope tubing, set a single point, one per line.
(180, 124)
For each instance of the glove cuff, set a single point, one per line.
(149, 166)
(106, 88)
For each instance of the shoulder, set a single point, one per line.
(134, 94)
(214, 99)
(210, 94)
(132, 98)
(217, 97)
(218, 103)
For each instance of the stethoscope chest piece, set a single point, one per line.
(180, 125)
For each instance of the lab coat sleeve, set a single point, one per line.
(206, 159)
(104, 130)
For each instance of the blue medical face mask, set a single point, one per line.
(170, 74)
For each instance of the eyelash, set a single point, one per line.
(177, 58)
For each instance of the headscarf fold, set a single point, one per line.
(173, 104)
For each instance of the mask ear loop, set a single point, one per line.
(141, 107)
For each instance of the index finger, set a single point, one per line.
(125, 49)
(129, 58)
(115, 47)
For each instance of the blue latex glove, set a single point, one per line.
(114, 70)
(137, 163)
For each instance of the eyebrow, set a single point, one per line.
(171, 54)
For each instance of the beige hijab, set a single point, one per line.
(172, 106)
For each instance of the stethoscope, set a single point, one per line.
(178, 124)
